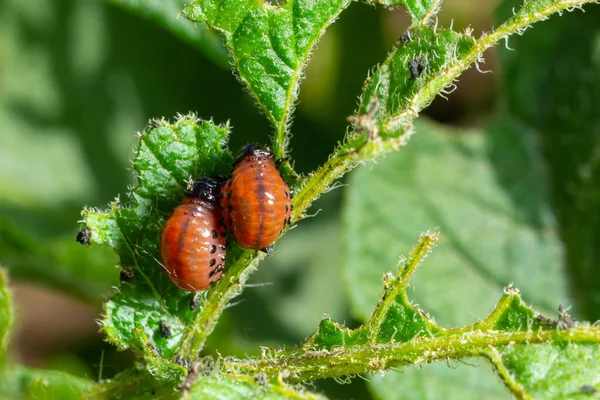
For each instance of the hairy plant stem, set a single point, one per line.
(298, 365)
(213, 305)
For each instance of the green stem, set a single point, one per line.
(305, 366)
(213, 305)
(396, 286)
(445, 77)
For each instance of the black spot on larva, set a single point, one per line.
(416, 67)
(284, 224)
(229, 208)
(165, 331)
(222, 258)
(214, 234)
(215, 271)
(287, 194)
(220, 195)
(287, 209)
(83, 237)
(213, 248)
(223, 247)
(230, 193)
(213, 262)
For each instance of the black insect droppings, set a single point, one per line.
(565, 321)
(165, 330)
(182, 361)
(405, 37)
(416, 67)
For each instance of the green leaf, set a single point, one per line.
(298, 276)
(219, 387)
(550, 371)
(157, 365)
(270, 46)
(425, 64)
(168, 155)
(166, 13)
(398, 91)
(553, 88)
(468, 379)
(6, 313)
(495, 221)
(19, 382)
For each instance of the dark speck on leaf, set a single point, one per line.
(406, 37)
(182, 361)
(416, 67)
(165, 331)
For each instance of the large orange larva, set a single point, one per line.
(193, 241)
(256, 202)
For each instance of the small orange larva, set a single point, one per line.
(256, 202)
(193, 241)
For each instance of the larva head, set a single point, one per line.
(253, 149)
(207, 188)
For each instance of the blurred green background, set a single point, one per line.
(78, 79)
